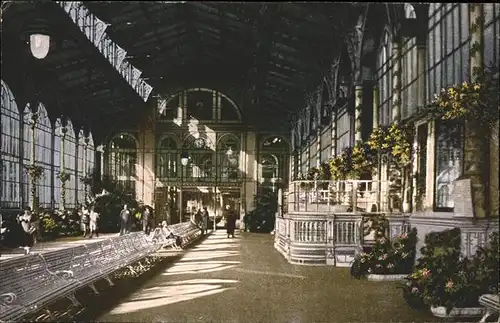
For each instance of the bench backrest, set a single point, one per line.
(23, 275)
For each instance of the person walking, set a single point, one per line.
(204, 220)
(124, 220)
(28, 230)
(230, 217)
(85, 220)
(146, 220)
(93, 223)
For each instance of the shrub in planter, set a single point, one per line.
(387, 256)
(442, 278)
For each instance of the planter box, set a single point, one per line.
(386, 277)
(458, 312)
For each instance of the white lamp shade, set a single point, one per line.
(184, 161)
(39, 45)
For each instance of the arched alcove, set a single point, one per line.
(167, 157)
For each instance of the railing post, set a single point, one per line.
(354, 192)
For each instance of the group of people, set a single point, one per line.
(90, 221)
(201, 219)
(145, 216)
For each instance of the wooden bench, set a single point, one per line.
(492, 304)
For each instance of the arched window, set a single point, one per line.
(384, 69)
(70, 164)
(270, 169)
(57, 161)
(201, 159)
(11, 158)
(122, 161)
(27, 140)
(81, 166)
(448, 46)
(409, 90)
(90, 155)
(43, 153)
(228, 152)
(448, 57)
(279, 148)
(167, 158)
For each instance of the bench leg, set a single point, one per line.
(486, 315)
(73, 300)
(49, 314)
(109, 281)
(94, 289)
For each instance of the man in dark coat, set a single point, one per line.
(147, 218)
(204, 220)
(124, 220)
(230, 217)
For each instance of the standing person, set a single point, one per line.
(124, 220)
(146, 220)
(204, 220)
(85, 220)
(230, 221)
(93, 224)
(27, 239)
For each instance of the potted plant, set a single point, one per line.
(388, 259)
(449, 285)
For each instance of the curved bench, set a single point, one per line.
(31, 282)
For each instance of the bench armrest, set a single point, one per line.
(7, 298)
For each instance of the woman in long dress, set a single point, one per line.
(26, 238)
(230, 221)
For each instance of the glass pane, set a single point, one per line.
(488, 44)
(488, 12)
(449, 33)
(464, 21)
(449, 156)
(456, 27)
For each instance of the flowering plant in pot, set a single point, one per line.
(442, 278)
(387, 256)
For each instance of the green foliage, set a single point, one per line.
(393, 143)
(110, 205)
(442, 278)
(477, 100)
(262, 218)
(387, 256)
(53, 224)
(64, 176)
(353, 163)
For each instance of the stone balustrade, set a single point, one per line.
(350, 196)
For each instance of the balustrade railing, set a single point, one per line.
(327, 238)
(330, 197)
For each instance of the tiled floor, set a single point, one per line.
(246, 280)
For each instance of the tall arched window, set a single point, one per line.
(122, 161)
(90, 155)
(11, 158)
(43, 155)
(81, 166)
(410, 69)
(384, 69)
(57, 161)
(70, 153)
(167, 158)
(270, 169)
(27, 140)
(279, 148)
(448, 57)
(201, 159)
(228, 154)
